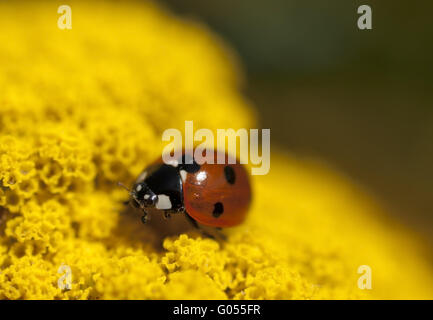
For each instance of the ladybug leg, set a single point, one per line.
(144, 218)
(195, 225)
(220, 233)
(175, 210)
(178, 210)
(169, 212)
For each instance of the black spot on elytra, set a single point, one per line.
(230, 175)
(189, 167)
(218, 209)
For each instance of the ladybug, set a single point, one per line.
(215, 195)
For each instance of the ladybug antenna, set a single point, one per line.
(120, 184)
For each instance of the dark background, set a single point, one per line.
(361, 100)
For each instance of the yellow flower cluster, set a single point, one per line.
(82, 109)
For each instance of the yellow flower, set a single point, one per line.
(82, 109)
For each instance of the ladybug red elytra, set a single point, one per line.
(216, 195)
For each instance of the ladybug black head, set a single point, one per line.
(142, 195)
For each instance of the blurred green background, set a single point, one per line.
(361, 100)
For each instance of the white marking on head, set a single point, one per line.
(146, 196)
(163, 202)
(141, 177)
(183, 175)
(173, 163)
(138, 188)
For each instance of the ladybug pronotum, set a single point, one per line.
(215, 195)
